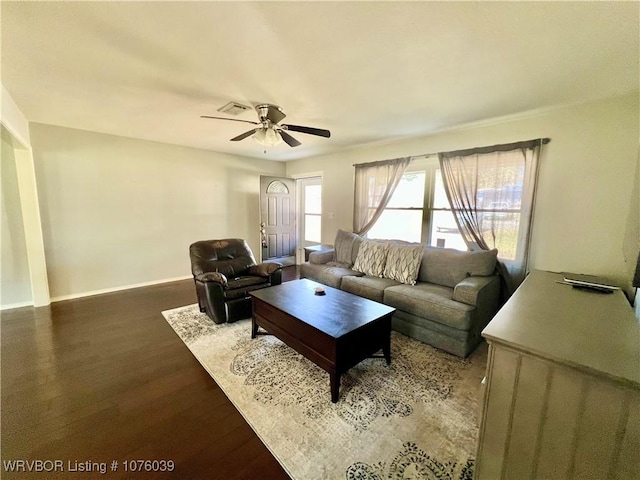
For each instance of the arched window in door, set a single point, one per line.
(277, 187)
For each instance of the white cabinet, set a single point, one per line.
(562, 396)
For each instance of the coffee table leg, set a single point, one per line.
(386, 346)
(334, 379)
(386, 350)
(254, 327)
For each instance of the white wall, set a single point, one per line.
(15, 285)
(16, 130)
(118, 211)
(584, 212)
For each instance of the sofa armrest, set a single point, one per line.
(321, 257)
(264, 269)
(270, 270)
(215, 277)
(471, 289)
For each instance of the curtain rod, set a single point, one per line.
(505, 146)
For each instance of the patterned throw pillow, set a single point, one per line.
(403, 263)
(371, 258)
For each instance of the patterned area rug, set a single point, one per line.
(415, 419)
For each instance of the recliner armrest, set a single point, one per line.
(215, 277)
(264, 269)
(321, 258)
(469, 289)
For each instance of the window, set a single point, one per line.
(312, 213)
(402, 219)
(499, 202)
(419, 210)
(277, 187)
(443, 229)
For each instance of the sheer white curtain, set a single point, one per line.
(374, 184)
(492, 191)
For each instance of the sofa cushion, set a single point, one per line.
(343, 246)
(367, 287)
(448, 267)
(372, 257)
(330, 274)
(403, 263)
(430, 301)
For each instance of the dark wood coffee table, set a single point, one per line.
(335, 331)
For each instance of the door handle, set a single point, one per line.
(263, 235)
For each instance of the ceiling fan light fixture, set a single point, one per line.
(268, 137)
(268, 131)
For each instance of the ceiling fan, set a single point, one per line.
(270, 132)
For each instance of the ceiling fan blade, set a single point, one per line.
(244, 135)
(292, 142)
(310, 130)
(232, 119)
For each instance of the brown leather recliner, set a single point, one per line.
(224, 272)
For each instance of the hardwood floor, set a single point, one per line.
(105, 378)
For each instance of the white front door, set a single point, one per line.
(278, 219)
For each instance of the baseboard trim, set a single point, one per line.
(10, 306)
(118, 289)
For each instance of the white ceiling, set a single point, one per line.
(367, 71)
